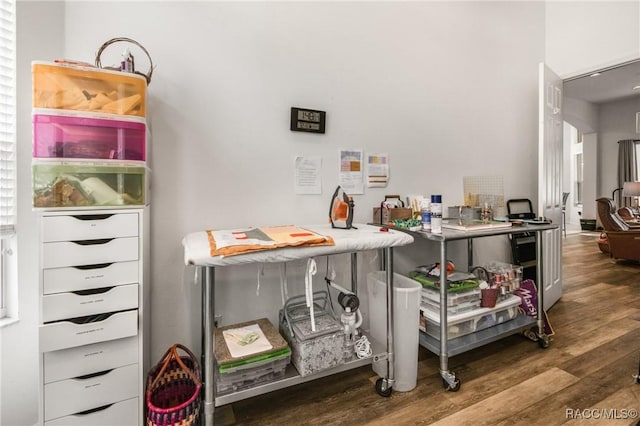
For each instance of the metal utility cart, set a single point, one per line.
(445, 347)
(349, 241)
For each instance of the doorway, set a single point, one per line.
(600, 109)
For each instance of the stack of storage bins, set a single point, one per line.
(264, 363)
(89, 145)
(89, 168)
(464, 312)
(470, 321)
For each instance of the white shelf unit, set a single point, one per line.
(91, 191)
(93, 316)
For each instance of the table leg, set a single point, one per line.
(208, 342)
(390, 308)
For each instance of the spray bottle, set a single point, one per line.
(126, 63)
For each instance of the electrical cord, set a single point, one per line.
(363, 347)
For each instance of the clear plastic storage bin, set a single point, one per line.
(77, 136)
(505, 275)
(471, 321)
(86, 88)
(451, 310)
(59, 185)
(453, 298)
(252, 374)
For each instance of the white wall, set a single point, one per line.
(583, 36)
(446, 89)
(443, 100)
(616, 121)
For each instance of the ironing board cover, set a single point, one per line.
(238, 241)
(197, 249)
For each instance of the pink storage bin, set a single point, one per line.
(73, 136)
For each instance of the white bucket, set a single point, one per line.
(406, 316)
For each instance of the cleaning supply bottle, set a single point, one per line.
(436, 214)
(126, 62)
(425, 214)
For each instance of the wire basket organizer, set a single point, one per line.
(173, 389)
(114, 40)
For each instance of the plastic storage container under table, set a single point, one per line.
(434, 307)
(453, 299)
(473, 320)
(443, 345)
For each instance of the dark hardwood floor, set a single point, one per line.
(584, 376)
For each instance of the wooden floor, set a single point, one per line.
(587, 369)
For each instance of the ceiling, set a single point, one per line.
(612, 84)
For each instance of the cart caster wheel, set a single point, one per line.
(455, 387)
(382, 388)
(543, 342)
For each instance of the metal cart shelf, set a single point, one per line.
(445, 347)
(362, 238)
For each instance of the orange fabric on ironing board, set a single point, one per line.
(238, 241)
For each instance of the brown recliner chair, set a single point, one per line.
(624, 240)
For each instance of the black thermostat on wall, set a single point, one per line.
(307, 120)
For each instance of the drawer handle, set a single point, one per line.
(90, 318)
(92, 375)
(93, 410)
(85, 320)
(96, 266)
(93, 216)
(92, 291)
(93, 242)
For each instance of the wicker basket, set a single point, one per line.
(173, 390)
(108, 43)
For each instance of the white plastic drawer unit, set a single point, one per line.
(123, 413)
(74, 278)
(89, 227)
(84, 393)
(87, 359)
(81, 303)
(86, 330)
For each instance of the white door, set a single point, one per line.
(550, 180)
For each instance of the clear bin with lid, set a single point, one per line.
(453, 298)
(471, 321)
(86, 88)
(79, 184)
(76, 135)
(505, 275)
(451, 310)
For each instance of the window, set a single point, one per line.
(7, 144)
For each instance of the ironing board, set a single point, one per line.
(197, 252)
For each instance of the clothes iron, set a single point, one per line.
(341, 210)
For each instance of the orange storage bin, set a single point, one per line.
(79, 88)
